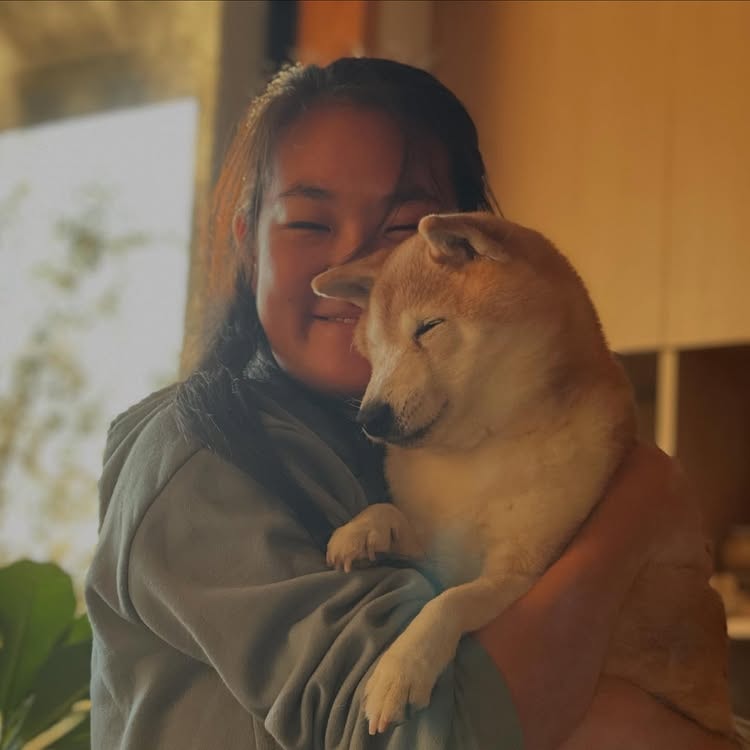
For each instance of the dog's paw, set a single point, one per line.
(398, 681)
(360, 539)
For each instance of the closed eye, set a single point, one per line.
(308, 225)
(411, 228)
(427, 325)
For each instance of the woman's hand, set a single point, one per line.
(623, 717)
(551, 644)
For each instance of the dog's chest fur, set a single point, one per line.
(510, 505)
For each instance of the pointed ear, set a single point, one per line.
(352, 281)
(455, 239)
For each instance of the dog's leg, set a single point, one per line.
(408, 670)
(381, 527)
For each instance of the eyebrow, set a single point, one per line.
(410, 194)
(303, 190)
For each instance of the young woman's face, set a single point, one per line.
(336, 172)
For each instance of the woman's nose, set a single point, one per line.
(355, 242)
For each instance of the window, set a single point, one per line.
(95, 221)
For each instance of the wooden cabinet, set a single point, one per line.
(708, 166)
(696, 402)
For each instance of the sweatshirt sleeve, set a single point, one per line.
(223, 573)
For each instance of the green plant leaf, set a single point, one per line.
(37, 605)
(11, 735)
(62, 681)
(80, 630)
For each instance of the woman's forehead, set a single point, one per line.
(346, 149)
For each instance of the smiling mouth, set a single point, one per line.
(347, 321)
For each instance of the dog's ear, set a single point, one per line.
(454, 239)
(351, 282)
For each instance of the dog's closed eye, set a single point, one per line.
(427, 325)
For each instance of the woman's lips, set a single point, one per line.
(336, 319)
(348, 314)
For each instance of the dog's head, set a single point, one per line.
(465, 324)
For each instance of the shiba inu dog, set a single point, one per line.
(505, 416)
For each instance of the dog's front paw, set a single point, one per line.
(360, 539)
(399, 680)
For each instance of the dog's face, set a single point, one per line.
(465, 324)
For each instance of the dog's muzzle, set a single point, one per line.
(377, 420)
(380, 424)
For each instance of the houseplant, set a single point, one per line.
(45, 660)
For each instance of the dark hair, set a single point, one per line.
(213, 403)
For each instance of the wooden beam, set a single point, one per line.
(328, 29)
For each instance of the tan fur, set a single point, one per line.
(527, 415)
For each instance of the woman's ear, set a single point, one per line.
(239, 228)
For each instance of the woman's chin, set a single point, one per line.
(330, 371)
(346, 376)
(337, 365)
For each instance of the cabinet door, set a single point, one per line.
(569, 99)
(708, 248)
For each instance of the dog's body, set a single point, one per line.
(505, 415)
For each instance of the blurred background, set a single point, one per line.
(619, 129)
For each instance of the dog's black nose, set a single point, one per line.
(377, 419)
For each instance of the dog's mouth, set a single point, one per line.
(418, 436)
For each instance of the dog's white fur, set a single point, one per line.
(508, 417)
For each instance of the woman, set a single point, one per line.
(217, 622)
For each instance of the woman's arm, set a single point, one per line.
(550, 645)
(223, 576)
(623, 717)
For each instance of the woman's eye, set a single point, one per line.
(402, 228)
(427, 325)
(310, 226)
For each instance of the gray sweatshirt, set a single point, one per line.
(217, 623)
